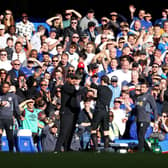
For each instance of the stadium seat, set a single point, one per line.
(4, 141)
(164, 146)
(25, 141)
(126, 141)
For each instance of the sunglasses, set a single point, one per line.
(75, 37)
(3, 54)
(66, 14)
(103, 20)
(103, 37)
(124, 90)
(30, 62)
(2, 72)
(43, 84)
(164, 116)
(117, 102)
(73, 22)
(154, 66)
(16, 64)
(70, 70)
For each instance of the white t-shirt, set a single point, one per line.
(73, 59)
(119, 115)
(51, 41)
(122, 76)
(2, 42)
(5, 65)
(7, 35)
(36, 42)
(88, 60)
(21, 56)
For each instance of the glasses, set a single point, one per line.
(43, 84)
(154, 66)
(17, 64)
(103, 20)
(70, 70)
(2, 72)
(66, 14)
(73, 22)
(54, 60)
(124, 90)
(3, 54)
(103, 37)
(30, 62)
(75, 37)
(164, 116)
(117, 102)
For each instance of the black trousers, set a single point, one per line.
(141, 131)
(67, 128)
(7, 124)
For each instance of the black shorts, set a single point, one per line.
(102, 119)
(6, 124)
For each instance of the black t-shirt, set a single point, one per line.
(104, 95)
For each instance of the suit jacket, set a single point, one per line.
(13, 76)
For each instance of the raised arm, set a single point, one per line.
(49, 21)
(75, 12)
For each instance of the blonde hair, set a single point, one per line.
(60, 24)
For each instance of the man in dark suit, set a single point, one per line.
(15, 72)
(70, 108)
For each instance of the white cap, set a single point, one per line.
(2, 26)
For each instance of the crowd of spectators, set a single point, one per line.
(126, 49)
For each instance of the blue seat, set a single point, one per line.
(4, 141)
(25, 141)
(126, 141)
(164, 146)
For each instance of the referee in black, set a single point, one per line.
(145, 105)
(8, 108)
(101, 114)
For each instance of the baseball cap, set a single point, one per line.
(2, 26)
(81, 65)
(90, 11)
(84, 35)
(114, 78)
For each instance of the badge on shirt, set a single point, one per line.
(140, 103)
